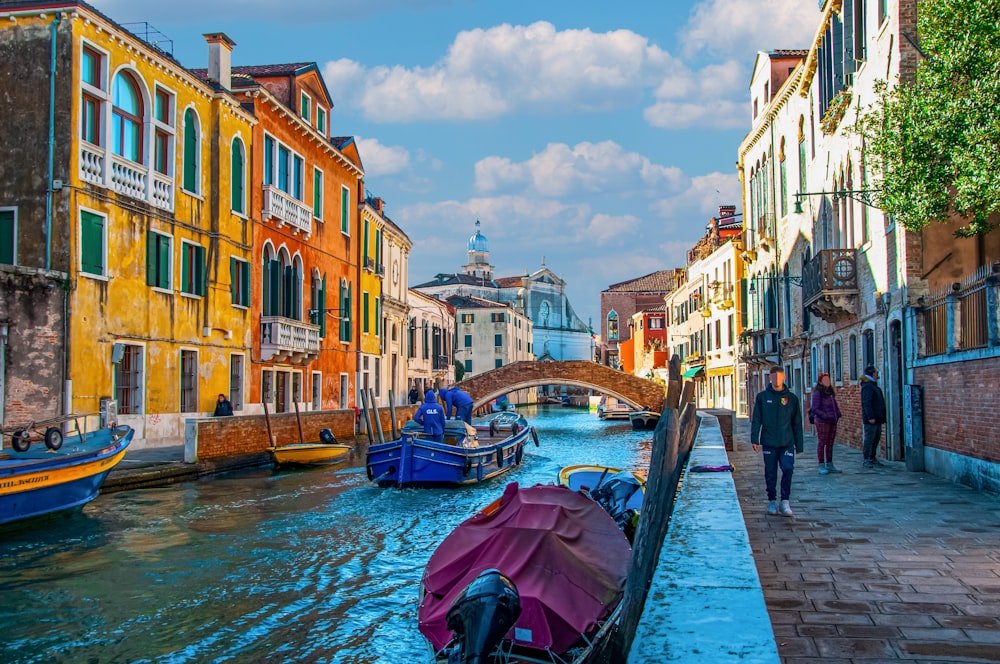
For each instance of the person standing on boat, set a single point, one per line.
(776, 425)
(461, 401)
(431, 416)
(223, 408)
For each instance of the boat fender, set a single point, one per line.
(493, 429)
(514, 429)
(20, 441)
(53, 438)
(500, 458)
(518, 454)
(468, 466)
(534, 436)
(368, 470)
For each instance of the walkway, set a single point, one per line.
(878, 565)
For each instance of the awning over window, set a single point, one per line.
(692, 372)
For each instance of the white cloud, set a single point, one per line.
(594, 168)
(701, 198)
(715, 114)
(704, 98)
(606, 229)
(382, 159)
(494, 71)
(743, 27)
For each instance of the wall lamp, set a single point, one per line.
(795, 281)
(866, 196)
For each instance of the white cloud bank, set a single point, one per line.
(742, 27)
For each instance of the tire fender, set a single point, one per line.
(534, 436)
(368, 471)
(518, 454)
(467, 466)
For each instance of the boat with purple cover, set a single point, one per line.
(468, 455)
(536, 576)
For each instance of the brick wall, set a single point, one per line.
(960, 407)
(247, 434)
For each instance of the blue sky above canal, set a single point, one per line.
(599, 135)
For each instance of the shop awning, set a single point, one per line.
(692, 372)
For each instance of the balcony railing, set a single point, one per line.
(760, 346)
(288, 211)
(830, 283)
(380, 269)
(370, 264)
(287, 340)
(441, 363)
(125, 177)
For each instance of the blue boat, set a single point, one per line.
(42, 480)
(468, 455)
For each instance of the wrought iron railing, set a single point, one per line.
(830, 271)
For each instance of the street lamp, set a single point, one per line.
(795, 281)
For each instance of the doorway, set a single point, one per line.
(895, 405)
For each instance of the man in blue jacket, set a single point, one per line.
(776, 425)
(462, 402)
(872, 415)
(431, 415)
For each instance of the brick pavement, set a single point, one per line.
(880, 565)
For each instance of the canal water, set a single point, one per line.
(303, 566)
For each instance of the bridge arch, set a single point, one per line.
(635, 391)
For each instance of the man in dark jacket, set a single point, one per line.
(776, 426)
(460, 401)
(872, 416)
(223, 408)
(431, 415)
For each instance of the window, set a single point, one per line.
(852, 357)
(126, 118)
(883, 10)
(838, 361)
(305, 107)
(321, 120)
(378, 376)
(656, 323)
(498, 363)
(193, 275)
(364, 313)
(468, 318)
(345, 309)
(297, 387)
(129, 380)
(239, 276)
(236, 381)
(319, 303)
(860, 40)
(93, 246)
(377, 319)
(868, 348)
(298, 176)
(317, 193)
(284, 155)
(732, 330)
(163, 131)
(345, 204)
(468, 341)
(813, 366)
(613, 326)
(189, 381)
(364, 244)
(158, 259)
(783, 179)
(468, 366)
(427, 341)
(268, 160)
(191, 156)
(238, 179)
(344, 387)
(317, 390)
(802, 155)
(826, 358)
(498, 340)
(8, 236)
(92, 75)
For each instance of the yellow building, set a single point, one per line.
(370, 301)
(149, 219)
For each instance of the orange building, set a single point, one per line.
(304, 192)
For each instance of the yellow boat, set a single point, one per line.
(619, 492)
(310, 454)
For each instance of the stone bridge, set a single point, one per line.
(635, 391)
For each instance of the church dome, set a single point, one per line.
(478, 241)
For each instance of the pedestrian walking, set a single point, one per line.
(223, 408)
(460, 401)
(872, 415)
(776, 426)
(824, 414)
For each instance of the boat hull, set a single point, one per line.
(578, 477)
(415, 461)
(644, 420)
(32, 485)
(310, 454)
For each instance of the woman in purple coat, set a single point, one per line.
(824, 413)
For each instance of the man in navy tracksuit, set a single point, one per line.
(461, 402)
(776, 426)
(431, 415)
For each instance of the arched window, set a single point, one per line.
(783, 178)
(238, 176)
(802, 154)
(838, 361)
(191, 152)
(852, 359)
(318, 288)
(612, 326)
(271, 281)
(826, 358)
(127, 118)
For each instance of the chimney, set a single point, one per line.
(220, 48)
(727, 211)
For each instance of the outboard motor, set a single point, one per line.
(481, 615)
(327, 437)
(613, 495)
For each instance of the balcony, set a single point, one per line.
(370, 264)
(441, 363)
(760, 347)
(830, 284)
(288, 341)
(125, 177)
(288, 211)
(380, 269)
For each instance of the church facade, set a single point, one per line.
(558, 332)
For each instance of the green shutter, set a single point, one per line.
(190, 152)
(163, 263)
(286, 291)
(364, 304)
(274, 275)
(317, 194)
(151, 255)
(186, 268)
(343, 312)
(91, 243)
(234, 268)
(202, 281)
(322, 308)
(365, 246)
(378, 319)
(237, 177)
(245, 284)
(350, 308)
(344, 221)
(7, 239)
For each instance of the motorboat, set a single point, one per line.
(619, 492)
(644, 419)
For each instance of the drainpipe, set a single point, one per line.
(52, 140)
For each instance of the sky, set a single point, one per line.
(599, 137)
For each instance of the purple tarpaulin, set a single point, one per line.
(567, 557)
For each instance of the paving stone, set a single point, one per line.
(925, 608)
(869, 631)
(902, 619)
(956, 652)
(791, 647)
(984, 636)
(835, 618)
(932, 634)
(969, 622)
(854, 648)
(817, 630)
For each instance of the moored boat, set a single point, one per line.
(41, 480)
(611, 409)
(467, 455)
(644, 419)
(310, 454)
(557, 550)
(619, 492)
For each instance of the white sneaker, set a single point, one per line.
(831, 469)
(772, 508)
(786, 509)
(823, 470)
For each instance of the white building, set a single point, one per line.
(396, 246)
(429, 342)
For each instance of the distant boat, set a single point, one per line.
(310, 454)
(537, 576)
(644, 419)
(612, 409)
(469, 454)
(42, 480)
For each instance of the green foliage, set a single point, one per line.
(933, 144)
(459, 371)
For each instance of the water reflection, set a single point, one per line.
(315, 566)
